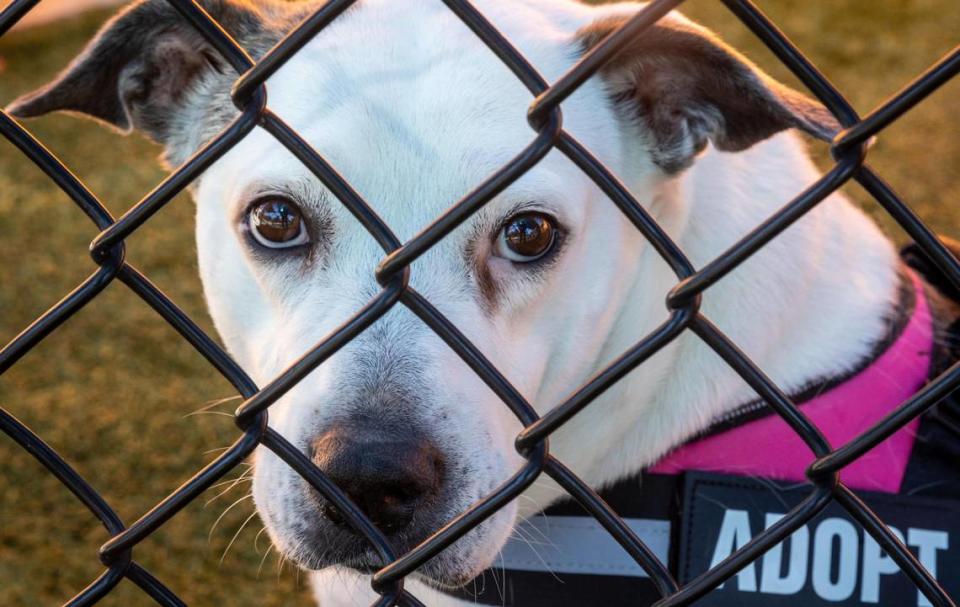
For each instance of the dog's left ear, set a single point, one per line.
(686, 88)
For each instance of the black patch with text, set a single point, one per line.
(828, 561)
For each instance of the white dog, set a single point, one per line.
(549, 280)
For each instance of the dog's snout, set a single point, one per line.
(388, 478)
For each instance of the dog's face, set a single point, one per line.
(396, 417)
(415, 113)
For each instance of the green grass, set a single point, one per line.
(112, 389)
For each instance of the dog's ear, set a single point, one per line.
(138, 71)
(686, 88)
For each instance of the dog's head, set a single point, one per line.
(415, 112)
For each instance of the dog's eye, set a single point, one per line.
(526, 237)
(277, 223)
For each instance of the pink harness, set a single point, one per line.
(768, 448)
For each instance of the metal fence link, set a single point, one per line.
(849, 149)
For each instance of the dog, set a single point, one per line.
(549, 280)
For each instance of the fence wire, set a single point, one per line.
(849, 149)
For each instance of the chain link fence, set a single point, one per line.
(849, 150)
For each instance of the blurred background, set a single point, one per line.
(137, 411)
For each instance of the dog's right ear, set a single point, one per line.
(139, 69)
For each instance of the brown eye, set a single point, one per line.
(527, 237)
(277, 223)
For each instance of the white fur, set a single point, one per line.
(414, 111)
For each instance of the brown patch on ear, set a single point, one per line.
(687, 88)
(139, 69)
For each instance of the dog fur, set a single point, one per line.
(414, 111)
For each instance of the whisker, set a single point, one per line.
(233, 483)
(216, 450)
(523, 534)
(215, 403)
(203, 412)
(230, 480)
(264, 559)
(256, 540)
(236, 535)
(223, 514)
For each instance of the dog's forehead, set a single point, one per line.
(413, 116)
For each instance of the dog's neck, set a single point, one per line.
(811, 304)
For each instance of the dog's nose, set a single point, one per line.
(387, 477)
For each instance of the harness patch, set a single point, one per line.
(580, 544)
(829, 561)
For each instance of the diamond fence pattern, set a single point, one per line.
(849, 150)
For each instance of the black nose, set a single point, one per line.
(389, 478)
